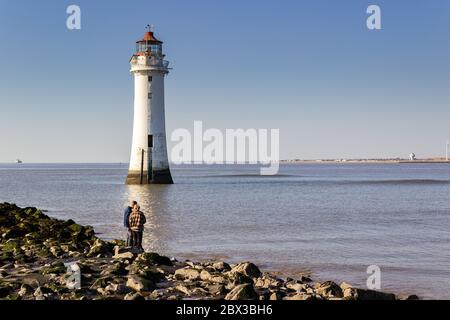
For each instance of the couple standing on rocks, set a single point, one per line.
(134, 220)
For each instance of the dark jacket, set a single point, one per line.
(126, 216)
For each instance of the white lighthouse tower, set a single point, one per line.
(149, 162)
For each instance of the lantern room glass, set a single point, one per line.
(148, 46)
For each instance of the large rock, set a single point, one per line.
(221, 266)
(183, 289)
(153, 258)
(238, 278)
(362, 294)
(42, 293)
(139, 284)
(242, 292)
(99, 247)
(123, 253)
(187, 274)
(275, 296)
(54, 268)
(212, 277)
(151, 275)
(329, 288)
(101, 282)
(117, 288)
(345, 285)
(296, 286)
(216, 289)
(133, 296)
(25, 290)
(248, 269)
(115, 269)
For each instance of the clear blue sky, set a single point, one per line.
(310, 68)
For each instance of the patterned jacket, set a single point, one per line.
(137, 220)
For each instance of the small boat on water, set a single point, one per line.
(18, 161)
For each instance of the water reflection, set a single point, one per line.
(154, 202)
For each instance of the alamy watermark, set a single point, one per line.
(73, 276)
(374, 280)
(212, 146)
(73, 21)
(374, 20)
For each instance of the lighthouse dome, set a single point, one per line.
(149, 44)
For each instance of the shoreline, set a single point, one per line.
(366, 161)
(36, 249)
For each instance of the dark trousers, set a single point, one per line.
(136, 239)
(129, 238)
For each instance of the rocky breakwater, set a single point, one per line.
(35, 251)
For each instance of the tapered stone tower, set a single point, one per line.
(149, 162)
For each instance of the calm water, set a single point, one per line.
(331, 219)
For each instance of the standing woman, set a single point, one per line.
(136, 223)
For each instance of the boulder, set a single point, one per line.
(221, 266)
(187, 274)
(123, 253)
(152, 275)
(133, 296)
(362, 294)
(212, 277)
(139, 284)
(42, 292)
(99, 247)
(242, 292)
(54, 268)
(329, 288)
(238, 278)
(153, 258)
(296, 286)
(115, 269)
(183, 289)
(275, 296)
(248, 269)
(117, 288)
(56, 251)
(13, 296)
(216, 289)
(199, 292)
(25, 290)
(101, 282)
(345, 285)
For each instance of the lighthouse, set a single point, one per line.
(149, 162)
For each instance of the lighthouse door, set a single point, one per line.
(150, 149)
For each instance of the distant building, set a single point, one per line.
(412, 157)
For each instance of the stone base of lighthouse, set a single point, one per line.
(162, 176)
(158, 177)
(134, 177)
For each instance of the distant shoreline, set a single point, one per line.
(366, 161)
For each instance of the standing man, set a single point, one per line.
(137, 221)
(126, 221)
